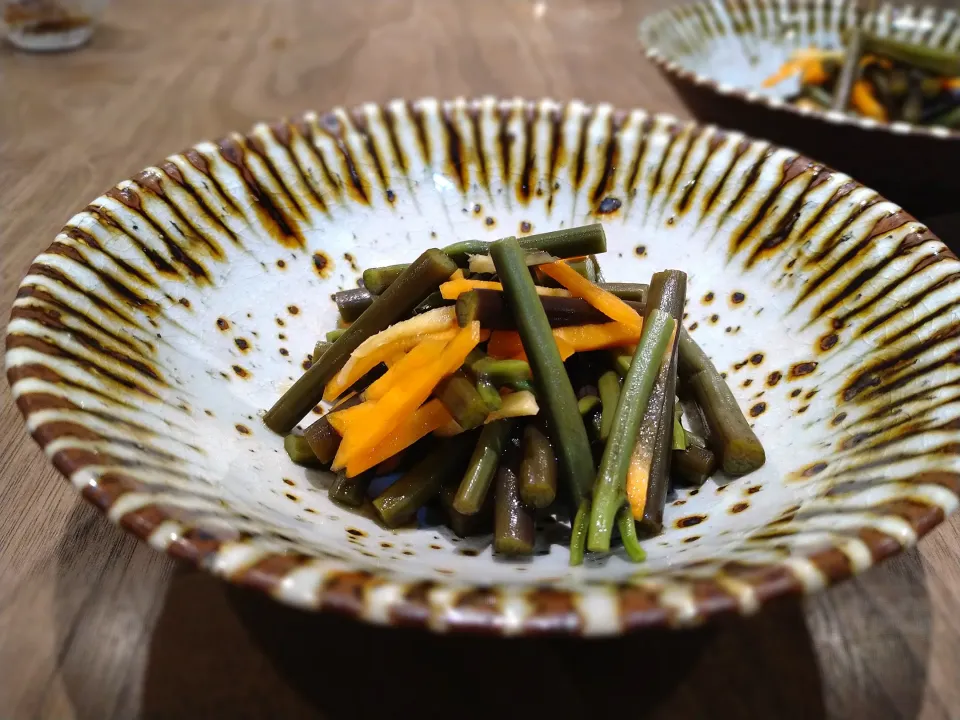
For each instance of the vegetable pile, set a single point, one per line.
(505, 380)
(880, 78)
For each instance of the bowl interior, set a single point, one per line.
(739, 44)
(172, 311)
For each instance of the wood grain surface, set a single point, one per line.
(95, 625)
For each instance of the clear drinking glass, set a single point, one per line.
(50, 25)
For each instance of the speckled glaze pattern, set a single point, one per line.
(171, 312)
(730, 46)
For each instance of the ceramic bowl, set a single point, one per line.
(717, 54)
(170, 312)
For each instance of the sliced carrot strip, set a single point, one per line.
(865, 102)
(341, 420)
(435, 320)
(358, 366)
(638, 472)
(814, 73)
(395, 358)
(407, 394)
(349, 423)
(584, 338)
(786, 71)
(425, 420)
(453, 289)
(607, 303)
(354, 369)
(638, 479)
(565, 348)
(423, 354)
(801, 61)
(507, 344)
(951, 83)
(504, 344)
(457, 275)
(332, 411)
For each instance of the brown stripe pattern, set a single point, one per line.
(685, 41)
(172, 309)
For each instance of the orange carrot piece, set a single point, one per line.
(638, 479)
(425, 420)
(395, 358)
(335, 409)
(423, 354)
(407, 394)
(506, 344)
(565, 348)
(357, 367)
(432, 321)
(584, 338)
(951, 83)
(452, 289)
(814, 73)
(865, 102)
(867, 60)
(353, 371)
(638, 471)
(457, 275)
(607, 303)
(786, 71)
(341, 420)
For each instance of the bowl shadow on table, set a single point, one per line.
(763, 666)
(216, 650)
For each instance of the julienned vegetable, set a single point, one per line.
(609, 494)
(667, 293)
(731, 437)
(482, 467)
(413, 285)
(493, 378)
(553, 384)
(400, 502)
(513, 521)
(538, 470)
(881, 78)
(489, 308)
(573, 242)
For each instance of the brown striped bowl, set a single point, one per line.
(172, 310)
(717, 53)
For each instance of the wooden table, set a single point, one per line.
(95, 625)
